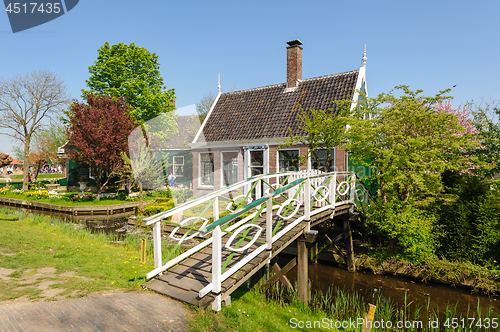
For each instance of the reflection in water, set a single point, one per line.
(367, 284)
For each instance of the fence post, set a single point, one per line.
(216, 208)
(333, 189)
(353, 188)
(258, 191)
(307, 204)
(269, 224)
(157, 244)
(143, 251)
(216, 267)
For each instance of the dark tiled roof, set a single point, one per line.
(269, 111)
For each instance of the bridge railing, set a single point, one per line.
(301, 194)
(202, 210)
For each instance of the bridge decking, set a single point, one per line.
(184, 280)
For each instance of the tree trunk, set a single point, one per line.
(327, 164)
(141, 202)
(26, 164)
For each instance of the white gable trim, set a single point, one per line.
(359, 83)
(206, 118)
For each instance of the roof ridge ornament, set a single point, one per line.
(364, 58)
(218, 86)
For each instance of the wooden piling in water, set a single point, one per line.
(302, 275)
(348, 244)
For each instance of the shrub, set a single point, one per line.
(407, 226)
(122, 194)
(164, 192)
(160, 205)
(471, 220)
(37, 185)
(181, 194)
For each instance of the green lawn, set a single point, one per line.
(39, 254)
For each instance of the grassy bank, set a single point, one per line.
(44, 258)
(251, 311)
(254, 311)
(456, 273)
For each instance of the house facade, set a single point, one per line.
(242, 134)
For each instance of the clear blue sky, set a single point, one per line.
(430, 45)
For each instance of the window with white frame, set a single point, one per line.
(178, 166)
(289, 160)
(229, 168)
(207, 168)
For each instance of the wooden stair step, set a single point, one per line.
(190, 297)
(183, 282)
(191, 272)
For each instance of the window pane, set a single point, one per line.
(288, 160)
(207, 168)
(257, 158)
(230, 167)
(321, 163)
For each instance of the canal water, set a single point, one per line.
(369, 285)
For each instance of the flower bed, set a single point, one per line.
(38, 194)
(82, 198)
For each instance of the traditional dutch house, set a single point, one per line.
(242, 133)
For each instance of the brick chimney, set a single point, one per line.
(293, 63)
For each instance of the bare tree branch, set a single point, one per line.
(27, 104)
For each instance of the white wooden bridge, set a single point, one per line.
(240, 240)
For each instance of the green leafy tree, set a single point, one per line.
(486, 117)
(409, 142)
(132, 72)
(324, 130)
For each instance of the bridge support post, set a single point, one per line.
(348, 243)
(314, 253)
(302, 273)
(302, 264)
